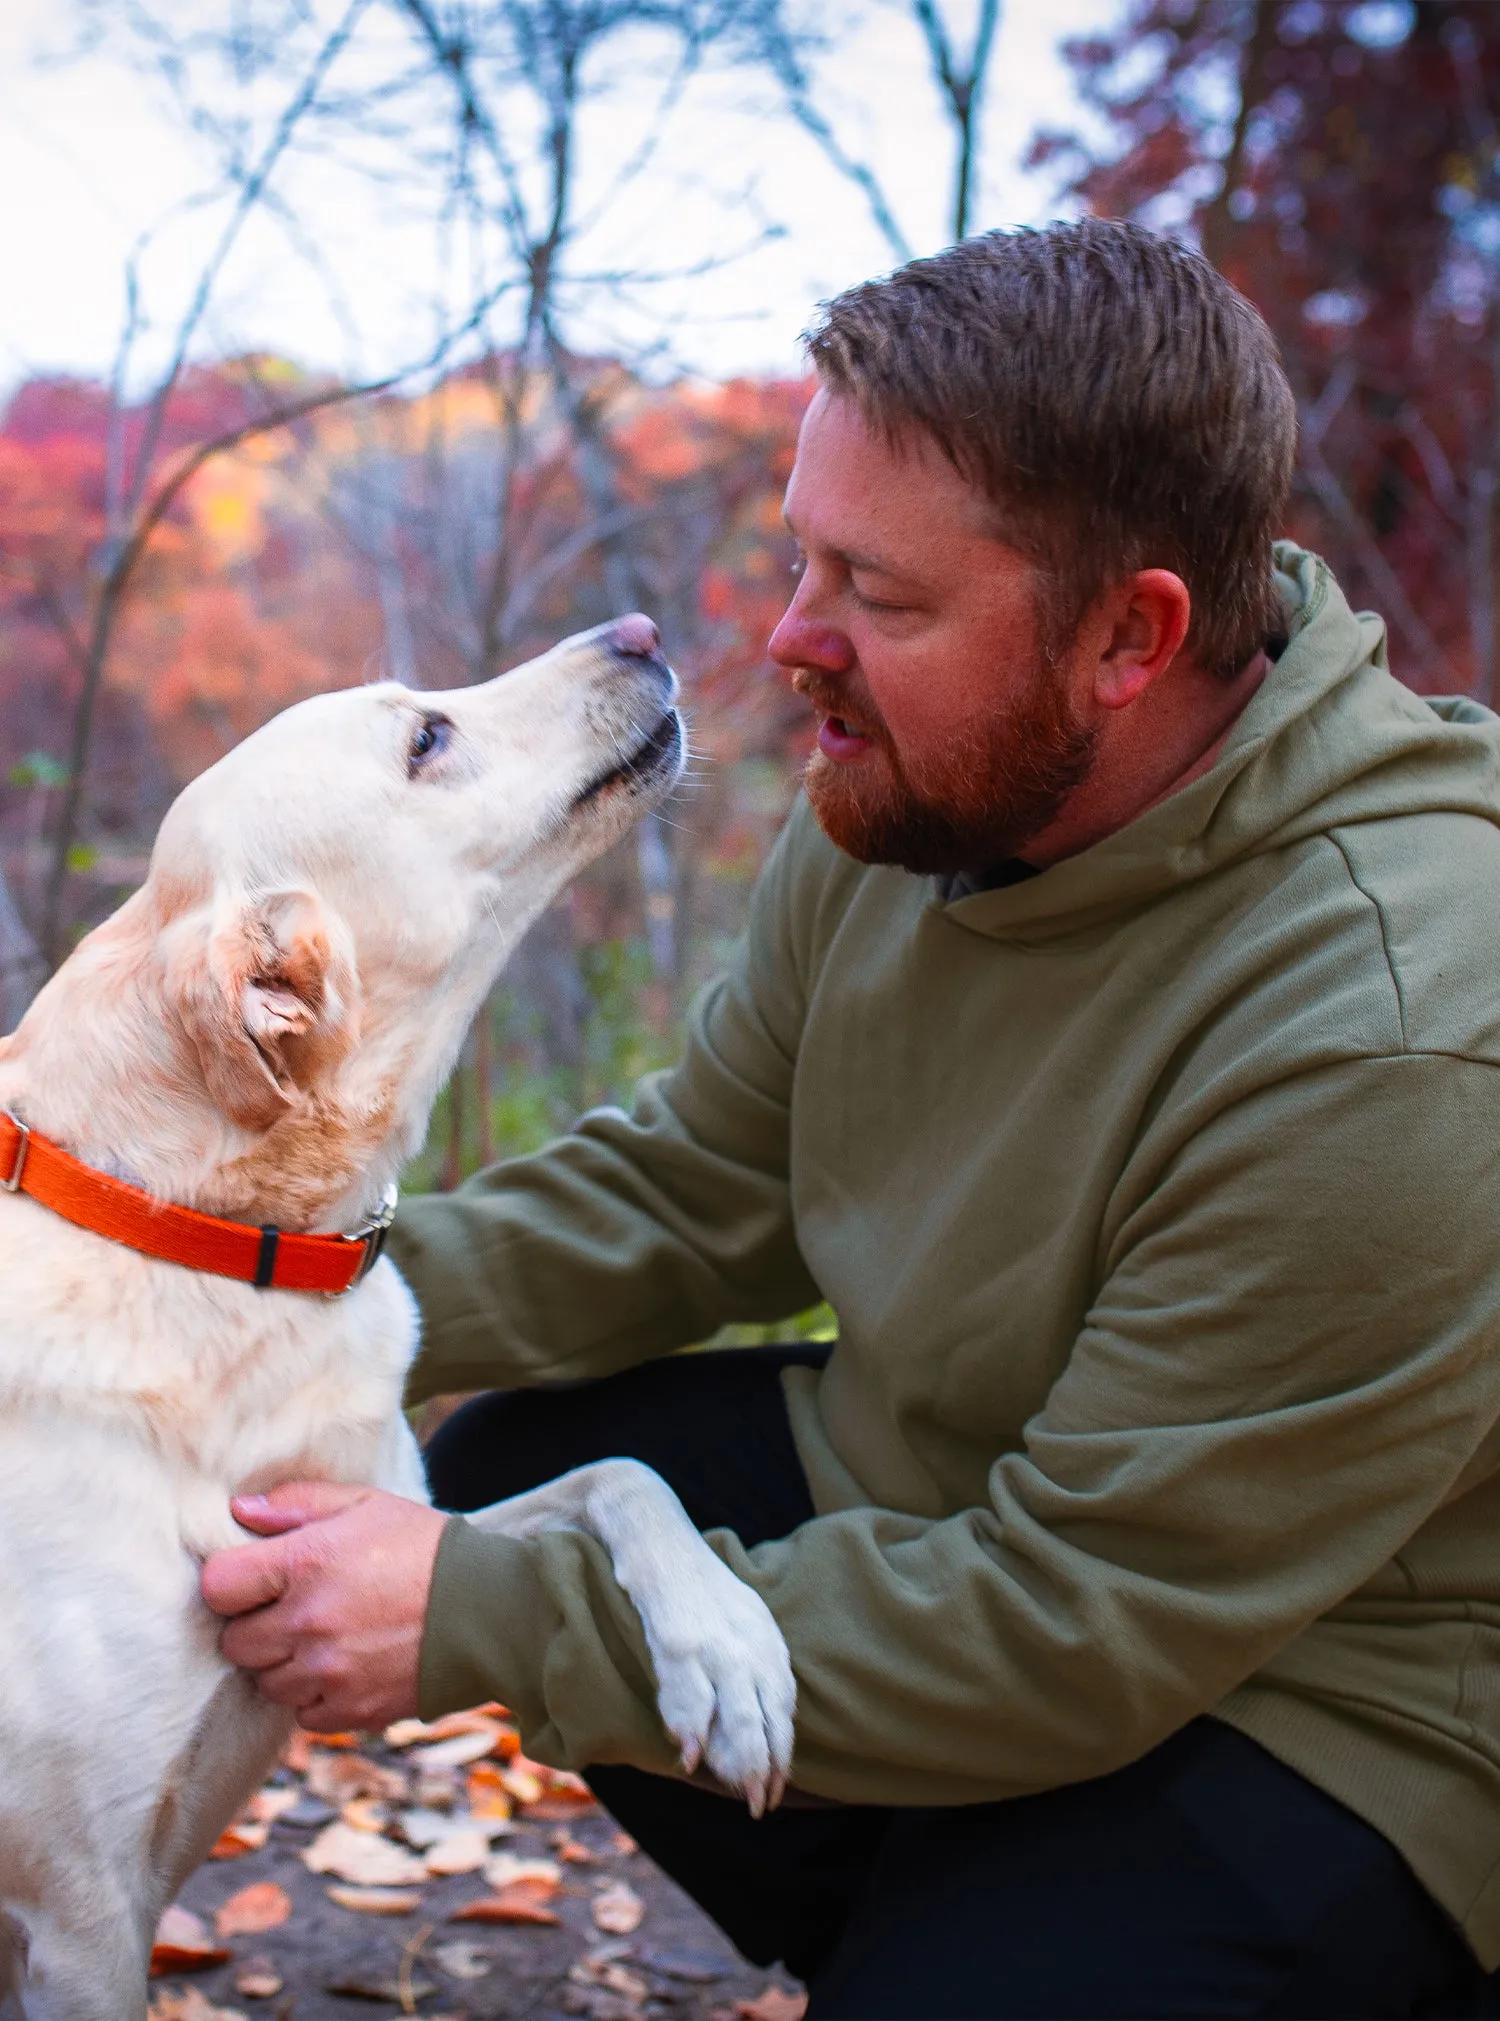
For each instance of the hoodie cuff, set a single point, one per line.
(489, 1622)
(541, 1624)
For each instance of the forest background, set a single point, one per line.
(200, 532)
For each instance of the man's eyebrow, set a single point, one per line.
(869, 564)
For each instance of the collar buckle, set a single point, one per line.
(23, 1145)
(372, 1235)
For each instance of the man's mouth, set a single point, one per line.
(841, 740)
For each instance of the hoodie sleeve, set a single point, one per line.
(637, 1233)
(1282, 1377)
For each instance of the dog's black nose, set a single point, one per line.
(635, 636)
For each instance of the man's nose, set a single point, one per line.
(803, 642)
(635, 636)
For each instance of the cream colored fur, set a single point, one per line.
(260, 1033)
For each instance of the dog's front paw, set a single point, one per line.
(726, 1692)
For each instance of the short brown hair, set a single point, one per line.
(1120, 404)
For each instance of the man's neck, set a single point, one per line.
(1147, 753)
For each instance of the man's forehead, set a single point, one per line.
(878, 504)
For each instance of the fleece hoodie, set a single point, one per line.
(1159, 1201)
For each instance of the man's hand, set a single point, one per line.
(328, 1609)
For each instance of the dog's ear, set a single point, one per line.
(267, 995)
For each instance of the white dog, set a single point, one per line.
(258, 1035)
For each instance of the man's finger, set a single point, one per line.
(260, 1639)
(293, 1504)
(246, 1576)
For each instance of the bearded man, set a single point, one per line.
(1115, 1045)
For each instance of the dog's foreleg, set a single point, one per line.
(398, 1465)
(89, 1971)
(725, 1689)
(233, 1748)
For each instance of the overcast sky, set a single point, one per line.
(91, 155)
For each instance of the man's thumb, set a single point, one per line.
(293, 1504)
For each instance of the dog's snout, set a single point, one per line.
(634, 636)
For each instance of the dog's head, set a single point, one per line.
(328, 905)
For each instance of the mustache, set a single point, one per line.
(845, 697)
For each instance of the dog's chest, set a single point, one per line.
(231, 1388)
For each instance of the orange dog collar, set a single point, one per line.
(264, 1257)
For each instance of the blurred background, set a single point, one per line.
(346, 338)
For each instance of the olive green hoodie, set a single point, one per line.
(1159, 1201)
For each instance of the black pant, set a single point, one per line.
(1205, 1879)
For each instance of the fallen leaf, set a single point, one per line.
(261, 1906)
(245, 1835)
(338, 1739)
(460, 1852)
(435, 1788)
(462, 1960)
(521, 1902)
(183, 1944)
(625, 1845)
(257, 1978)
(774, 2004)
(424, 1828)
(612, 1976)
(269, 1803)
(618, 1909)
(488, 1796)
(341, 1778)
(366, 1814)
(190, 2005)
(502, 1869)
(359, 1857)
(574, 1851)
(297, 1752)
(406, 1731)
(460, 1750)
(377, 1901)
(521, 1781)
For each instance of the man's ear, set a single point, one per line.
(1149, 615)
(267, 992)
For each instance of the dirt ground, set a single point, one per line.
(327, 1962)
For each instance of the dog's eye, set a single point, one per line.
(430, 736)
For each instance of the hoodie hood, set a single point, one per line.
(1330, 738)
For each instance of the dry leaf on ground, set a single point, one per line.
(261, 1906)
(574, 1851)
(359, 1857)
(617, 1909)
(462, 1960)
(297, 1752)
(488, 1796)
(184, 1944)
(460, 1852)
(423, 1828)
(341, 1778)
(267, 1804)
(775, 2004)
(258, 1978)
(405, 1732)
(188, 2004)
(377, 1901)
(243, 1836)
(366, 1814)
(521, 1902)
(460, 1750)
(612, 1976)
(503, 1869)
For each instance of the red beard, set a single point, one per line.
(973, 803)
